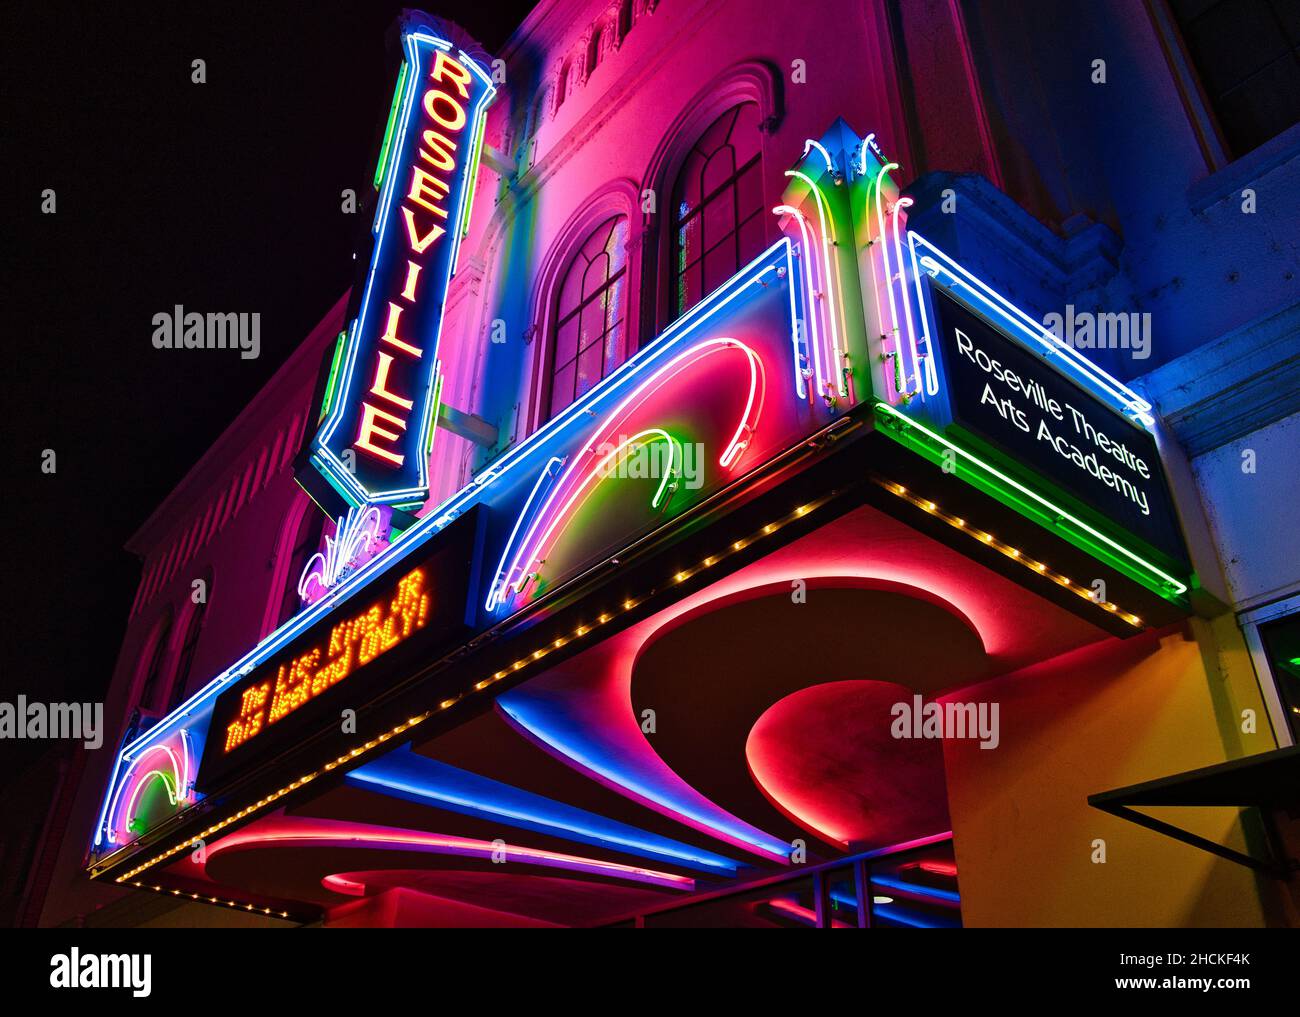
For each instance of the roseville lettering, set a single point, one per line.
(373, 443)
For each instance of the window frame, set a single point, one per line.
(183, 669)
(731, 184)
(1190, 78)
(1250, 622)
(554, 322)
(152, 678)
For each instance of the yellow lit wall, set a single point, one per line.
(1109, 715)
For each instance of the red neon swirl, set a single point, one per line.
(555, 511)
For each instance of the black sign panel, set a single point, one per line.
(1042, 421)
(422, 607)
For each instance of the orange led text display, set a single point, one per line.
(352, 644)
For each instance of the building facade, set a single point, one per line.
(787, 376)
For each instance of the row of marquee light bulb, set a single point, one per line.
(220, 902)
(582, 631)
(1014, 553)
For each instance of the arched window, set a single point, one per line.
(562, 86)
(190, 643)
(153, 670)
(718, 209)
(306, 541)
(589, 336)
(593, 52)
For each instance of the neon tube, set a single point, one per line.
(392, 121)
(811, 143)
(1128, 400)
(721, 824)
(597, 473)
(494, 592)
(888, 269)
(178, 786)
(811, 295)
(891, 381)
(353, 534)
(364, 837)
(926, 366)
(172, 794)
(531, 547)
(414, 777)
(831, 300)
(917, 889)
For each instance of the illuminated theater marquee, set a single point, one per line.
(1055, 449)
(373, 443)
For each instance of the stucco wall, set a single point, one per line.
(1107, 716)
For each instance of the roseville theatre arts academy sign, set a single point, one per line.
(1002, 397)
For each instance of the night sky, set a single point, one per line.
(222, 196)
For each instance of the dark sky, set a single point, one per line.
(223, 196)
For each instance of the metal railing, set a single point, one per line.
(908, 885)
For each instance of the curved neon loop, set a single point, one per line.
(811, 143)
(638, 396)
(830, 300)
(674, 458)
(599, 472)
(178, 785)
(141, 784)
(744, 432)
(920, 366)
(868, 145)
(548, 518)
(807, 260)
(498, 587)
(883, 236)
(353, 534)
(890, 386)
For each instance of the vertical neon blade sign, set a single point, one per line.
(373, 444)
